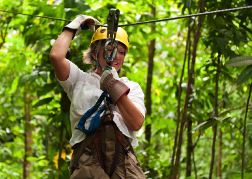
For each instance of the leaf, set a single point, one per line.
(238, 176)
(23, 79)
(5, 149)
(249, 126)
(205, 125)
(22, 63)
(209, 123)
(14, 84)
(33, 76)
(42, 102)
(43, 75)
(32, 158)
(225, 97)
(45, 89)
(245, 75)
(219, 21)
(239, 61)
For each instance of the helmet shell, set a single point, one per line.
(121, 35)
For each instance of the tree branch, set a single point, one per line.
(244, 133)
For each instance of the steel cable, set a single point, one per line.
(145, 22)
(47, 17)
(191, 15)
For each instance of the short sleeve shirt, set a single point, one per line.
(83, 90)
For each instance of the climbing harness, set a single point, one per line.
(97, 125)
(107, 119)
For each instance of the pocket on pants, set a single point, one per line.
(84, 168)
(133, 171)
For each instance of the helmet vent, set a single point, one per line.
(103, 30)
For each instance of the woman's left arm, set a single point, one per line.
(131, 115)
(117, 90)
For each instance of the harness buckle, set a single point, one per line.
(108, 106)
(88, 151)
(127, 149)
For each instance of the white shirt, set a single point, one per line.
(83, 90)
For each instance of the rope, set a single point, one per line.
(151, 21)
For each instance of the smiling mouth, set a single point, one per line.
(115, 63)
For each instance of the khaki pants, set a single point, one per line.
(86, 166)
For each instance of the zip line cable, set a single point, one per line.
(47, 17)
(145, 22)
(191, 15)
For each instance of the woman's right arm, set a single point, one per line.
(58, 52)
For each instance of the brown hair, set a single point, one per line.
(94, 48)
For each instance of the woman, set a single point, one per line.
(107, 158)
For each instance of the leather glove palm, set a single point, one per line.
(82, 22)
(111, 84)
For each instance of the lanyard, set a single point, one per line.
(95, 121)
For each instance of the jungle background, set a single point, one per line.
(195, 73)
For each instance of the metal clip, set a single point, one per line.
(112, 20)
(108, 106)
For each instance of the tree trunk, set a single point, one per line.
(179, 98)
(3, 32)
(219, 174)
(244, 133)
(189, 122)
(189, 148)
(194, 164)
(151, 54)
(216, 114)
(27, 137)
(188, 91)
(65, 108)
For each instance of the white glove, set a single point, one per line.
(111, 84)
(82, 22)
(107, 72)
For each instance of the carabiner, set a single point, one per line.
(113, 53)
(112, 20)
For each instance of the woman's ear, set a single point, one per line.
(94, 56)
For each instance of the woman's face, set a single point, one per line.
(119, 58)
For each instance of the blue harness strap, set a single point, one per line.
(95, 121)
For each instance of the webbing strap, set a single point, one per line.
(120, 141)
(96, 144)
(125, 146)
(119, 137)
(97, 138)
(95, 121)
(116, 158)
(100, 155)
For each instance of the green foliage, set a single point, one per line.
(239, 61)
(209, 123)
(27, 78)
(245, 75)
(238, 176)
